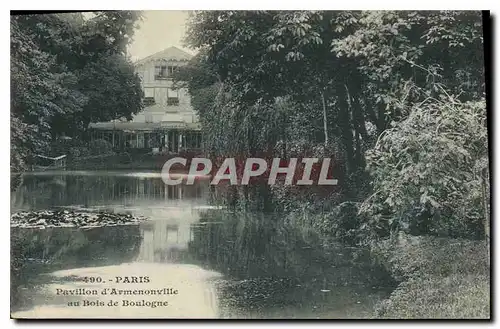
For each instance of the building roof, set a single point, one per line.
(171, 53)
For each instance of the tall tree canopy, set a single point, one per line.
(68, 71)
(330, 80)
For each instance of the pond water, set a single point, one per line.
(188, 260)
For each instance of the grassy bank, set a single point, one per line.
(440, 278)
(118, 161)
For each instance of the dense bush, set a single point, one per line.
(100, 147)
(428, 171)
(343, 223)
(78, 152)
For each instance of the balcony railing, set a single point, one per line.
(162, 77)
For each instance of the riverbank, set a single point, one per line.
(431, 277)
(132, 161)
(440, 278)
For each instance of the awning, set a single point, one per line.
(144, 126)
(50, 158)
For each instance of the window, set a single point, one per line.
(160, 72)
(171, 69)
(149, 117)
(173, 101)
(193, 140)
(140, 140)
(131, 140)
(164, 71)
(151, 140)
(172, 97)
(149, 96)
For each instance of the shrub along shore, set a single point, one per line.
(431, 277)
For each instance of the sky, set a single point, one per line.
(159, 29)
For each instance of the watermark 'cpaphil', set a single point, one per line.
(304, 171)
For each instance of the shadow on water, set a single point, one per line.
(274, 269)
(269, 268)
(98, 190)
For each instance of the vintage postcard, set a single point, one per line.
(250, 165)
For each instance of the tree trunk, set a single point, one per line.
(345, 125)
(325, 121)
(346, 139)
(485, 183)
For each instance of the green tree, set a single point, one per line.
(67, 71)
(40, 89)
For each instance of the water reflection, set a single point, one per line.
(225, 265)
(41, 191)
(35, 251)
(275, 269)
(167, 241)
